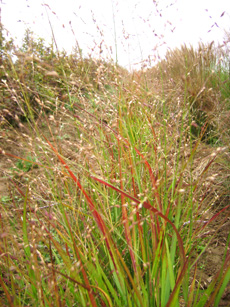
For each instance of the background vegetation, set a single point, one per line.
(118, 182)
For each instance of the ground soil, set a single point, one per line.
(210, 261)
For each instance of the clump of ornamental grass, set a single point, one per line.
(200, 78)
(115, 210)
(115, 190)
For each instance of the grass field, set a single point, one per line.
(115, 184)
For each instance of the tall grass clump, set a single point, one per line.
(114, 191)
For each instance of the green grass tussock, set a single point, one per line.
(118, 181)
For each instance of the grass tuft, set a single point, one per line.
(117, 182)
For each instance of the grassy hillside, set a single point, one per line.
(115, 184)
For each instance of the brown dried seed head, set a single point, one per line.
(52, 74)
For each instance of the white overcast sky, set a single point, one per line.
(138, 28)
